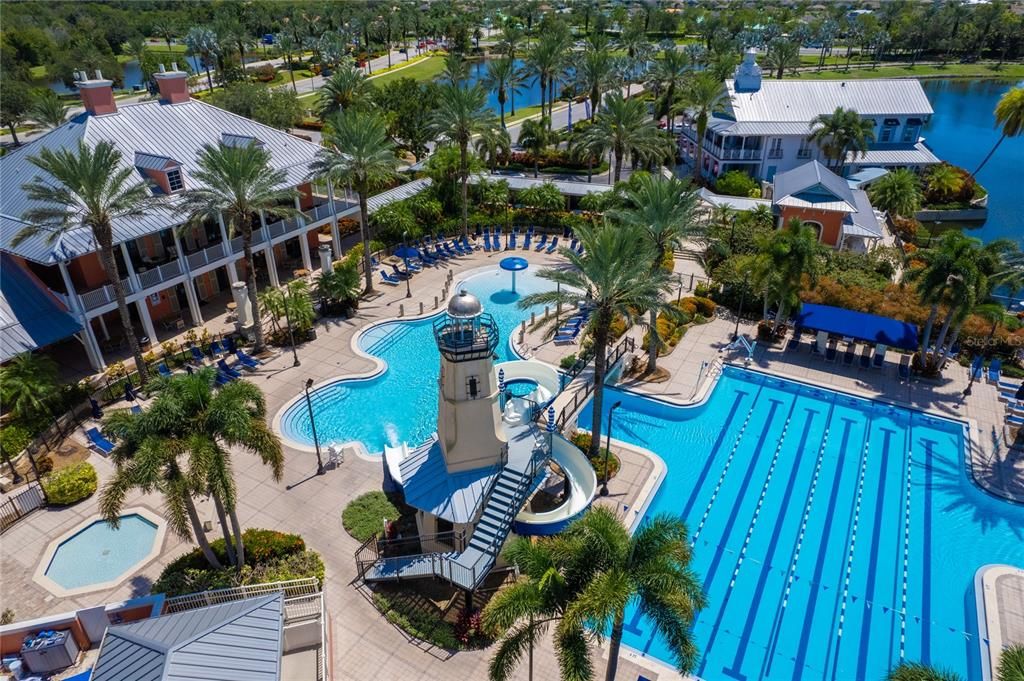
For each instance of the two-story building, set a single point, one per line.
(763, 128)
(173, 275)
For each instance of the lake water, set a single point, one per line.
(962, 131)
(528, 95)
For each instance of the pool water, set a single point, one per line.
(520, 387)
(400, 405)
(99, 553)
(818, 518)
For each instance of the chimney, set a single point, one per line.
(748, 73)
(173, 85)
(97, 93)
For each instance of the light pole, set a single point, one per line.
(732, 235)
(312, 423)
(608, 449)
(408, 276)
(743, 297)
(288, 321)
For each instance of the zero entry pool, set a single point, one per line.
(400, 404)
(99, 554)
(834, 535)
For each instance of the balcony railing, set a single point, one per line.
(319, 212)
(280, 227)
(803, 153)
(734, 154)
(775, 153)
(103, 295)
(206, 256)
(258, 237)
(160, 274)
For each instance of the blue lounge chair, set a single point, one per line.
(994, 370)
(552, 246)
(878, 360)
(452, 253)
(572, 244)
(527, 238)
(388, 279)
(977, 367)
(460, 248)
(487, 240)
(566, 232)
(903, 370)
(97, 440)
(469, 248)
(400, 274)
(476, 232)
(230, 371)
(229, 345)
(412, 266)
(793, 344)
(511, 246)
(849, 355)
(579, 248)
(865, 357)
(222, 378)
(439, 252)
(1015, 420)
(831, 351)
(197, 355)
(162, 369)
(425, 257)
(216, 349)
(247, 361)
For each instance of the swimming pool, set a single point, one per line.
(98, 555)
(400, 404)
(818, 518)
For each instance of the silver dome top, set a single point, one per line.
(464, 305)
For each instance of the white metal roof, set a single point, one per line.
(865, 221)
(154, 130)
(567, 187)
(801, 100)
(812, 185)
(895, 155)
(734, 202)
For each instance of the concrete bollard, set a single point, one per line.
(401, 309)
(421, 307)
(533, 318)
(547, 310)
(435, 302)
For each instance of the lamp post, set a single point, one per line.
(312, 423)
(288, 321)
(408, 276)
(743, 298)
(679, 291)
(732, 235)
(608, 449)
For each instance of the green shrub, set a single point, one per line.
(613, 465)
(424, 625)
(738, 183)
(705, 306)
(44, 464)
(363, 516)
(175, 582)
(567, 362)
(260, 546)
(14, 437)
(70, 485)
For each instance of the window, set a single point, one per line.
(805, 149)
(889, 129)
(473, 387)
(775, 148)
(174, 180)
(912, 129)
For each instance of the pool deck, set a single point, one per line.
(1000, 594)
(365, 645)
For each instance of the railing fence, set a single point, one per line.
(19, 505)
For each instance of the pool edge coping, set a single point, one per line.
(40, 577)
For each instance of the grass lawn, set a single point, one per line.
(921, 71)
(427, 68)
(525, 112)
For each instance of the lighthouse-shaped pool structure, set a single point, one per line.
(469, 483)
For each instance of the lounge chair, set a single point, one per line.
(411, 265)
(440, 252)
(579, 249)
(222, 378)
(994, 370)
(568, 336)
(878, 361)
(229, 345)
(246, 361)
(526, 239)
(197, 355)
(977, 367)
(388, 279)
(425, 257)
(476, 232)
(903, 370)
(552, 246)
(511, 246)
(230, 371)
(566, 232)
(1014, 420)
(832, 350)
(542, 243)
(865, 357)
(162, 369)
(99, 442)
(216, 349)
(468, 246)
(487, 240)
(849, 355)
(452, 253)
(572, 244)
(400, 274)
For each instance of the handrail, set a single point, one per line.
(627, 344)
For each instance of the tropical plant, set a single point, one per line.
(782, 54)
(340, 283)
(668, 78)
(15, 106)
(364, 516)
(535, 135)
(28, 385)
(292, 302)
(633, 41)
(1010, 116)
(614, 278)
(167, 31)
(70, 485)
(915, 671)
(503, 78)
(511, 37)
(89, 187)
(202, 42)
(288, 47)
(461, 115)
(456, 69)
(839, 133)
(665, 211)
(545, 196)
(794, 253)
(1011, 663)
(595, 70)
(237, 184)
(898, 192)
(943, 181)
(546, 58)
(48, 108)
(347, 87)
(357, 151)
(737, 183)
(182, 445)
(493, 146)
(622, 125)
(702, 96)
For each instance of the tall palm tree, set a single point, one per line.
(347, 87)
(511, 38)
(650, 568)
(702, 96)
(839, 133)
(167, 31)
(898, 192)
(595, 70)
(795, 253)
(915, 671)
(28, 385)
(456, 69)
(1011, 664)
(535, 137)
(546, 58)
(202, 42)
(48, 109)
(462, 114)
(614, 278)
(504, 79)
(493, 146)
(358, 151)
(668, 76)
(588, 149)
(665, 210)
(89, 189)
(624, 127)
(1010, 115)
(286, 43)
(784, 54)
(237, 184)
(633, 41)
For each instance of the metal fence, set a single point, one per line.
(18, 506)
(307, 586)
(627, 344)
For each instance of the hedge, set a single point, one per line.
(364, 515)
(70, 485)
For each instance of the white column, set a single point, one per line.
(190, 289)
(335, 232)
(228, 253)
(132, 275)
(147, 321)
(92, 346)
(307, 262)
(325, 258)
(275, 281)
(103, 327)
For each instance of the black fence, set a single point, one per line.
(19, 505)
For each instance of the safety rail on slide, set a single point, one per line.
(579, 398)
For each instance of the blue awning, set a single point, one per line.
(30, 316)
(860, 325)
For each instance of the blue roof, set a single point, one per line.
(428, 486)
(30, 316)
(859, 325)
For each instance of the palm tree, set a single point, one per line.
(784, 54)
(595, 70)
(1010, 115)
(650, 568)
(633, 41)
(504, 79)
(898, 192)
(668, 76)
(614, 278)
(1011, 664)
(202, 42)
(841, 132)
(456, 69)
(546, 59)
(28, 385)
(511, 36)
(702, 96)
(915, 671)
(89, 189)
(665, 212)
(237, 184)
(943, 181)
(347, 87)
(287, 45)
(462, 114)
(493, 146)
(167, 31)
(795, 253)
(623, 126)
(48, 109)
(535, 136)
(358, 151)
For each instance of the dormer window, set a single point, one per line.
(162, 171)
(174, 181)
(232, 140)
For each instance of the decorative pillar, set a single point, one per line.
(92, 346)
(325, 258)
(188, 284)
(243, 323)
(307, 262)
(275, 280)
(335, 231)
(228, 253)
(147, 321)
(133, 277)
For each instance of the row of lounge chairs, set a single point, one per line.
(1012, 393)
(870, 357)
(569, 330)
(429, 252)
(493, 242)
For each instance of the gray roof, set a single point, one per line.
(566, 187)
(799, 101)
(734, 202)
(30, 316)
(894, 155)
(812, 185)
(148, 131)
(429, 486)
(236, 641)
(402, 191)
(865, 221)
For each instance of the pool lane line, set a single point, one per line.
(766, 565)
(851, 550)
(926, 551)
(907, 480)
(819, 566)
(738, 500)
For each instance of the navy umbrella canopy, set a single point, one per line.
(514, 264)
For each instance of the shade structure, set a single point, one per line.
(406, 252)
(860, 325)
(513, 264)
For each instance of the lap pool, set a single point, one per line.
(833, 534)
(400, 404)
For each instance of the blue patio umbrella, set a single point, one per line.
(501, 389)
(406, 252)
(514, 264)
